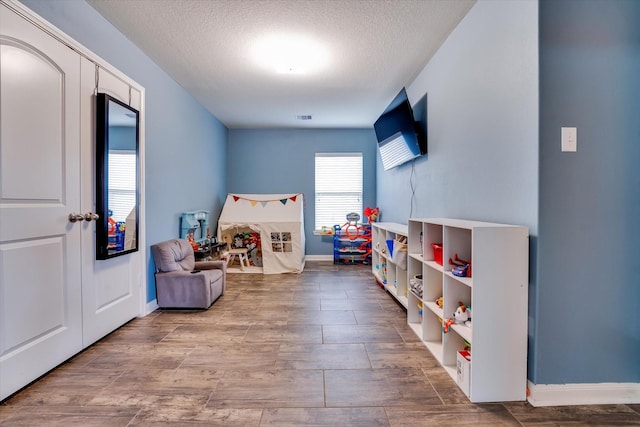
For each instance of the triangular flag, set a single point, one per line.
(293, 199)
(236, 198)
(283, 201)
(264, 203)
(253, 202)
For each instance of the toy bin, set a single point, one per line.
(463, 371)
(390, 246)
(437, 252)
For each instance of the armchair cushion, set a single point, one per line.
(181, 282)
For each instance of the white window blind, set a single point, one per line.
(338, 187)
(122, 183)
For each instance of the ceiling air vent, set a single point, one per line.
(304, 117)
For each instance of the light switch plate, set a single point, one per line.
(569, 139)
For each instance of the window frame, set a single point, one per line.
(353, 195)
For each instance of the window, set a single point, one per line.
(122, 183)
(338, 187)
(281, 242)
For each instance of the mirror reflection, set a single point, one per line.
(117, 178)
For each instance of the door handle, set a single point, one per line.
(73, 217)
(90, 216)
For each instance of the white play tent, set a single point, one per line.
(274, 221)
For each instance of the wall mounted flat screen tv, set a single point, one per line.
(400, 138)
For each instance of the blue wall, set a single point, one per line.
(492, 157)
(482, 115)
(283, 161)
(482, 109)
(588, 323)
(185, 144)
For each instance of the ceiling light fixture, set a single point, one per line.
(290, 54)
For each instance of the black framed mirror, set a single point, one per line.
(117, 177)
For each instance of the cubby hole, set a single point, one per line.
(431, 234)
(451, 344)
(432, 289)
(455, 292)
(457, 241)
(432, 327)
(415, 238)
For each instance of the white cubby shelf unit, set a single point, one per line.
(496, 292)
(389, 272)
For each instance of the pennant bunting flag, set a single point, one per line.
(265, 202)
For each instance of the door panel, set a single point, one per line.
(43, 78)
(40, 294)
(111, 288)
(45, 302)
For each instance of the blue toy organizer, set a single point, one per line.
(352, 245)
(196, 222)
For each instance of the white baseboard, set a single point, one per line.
(318, 257)
(150, 307)
(583, 394)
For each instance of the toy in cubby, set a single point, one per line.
(446, 325)
(463, 370)
(462, 268)
(462, 316)
(416, 285)
(384, 272)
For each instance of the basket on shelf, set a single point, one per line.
(416, 285)
(437, 252)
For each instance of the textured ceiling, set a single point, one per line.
(373, 49)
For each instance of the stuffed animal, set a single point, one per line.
(462, 314)
(439, 302)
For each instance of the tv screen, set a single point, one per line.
(399, 139)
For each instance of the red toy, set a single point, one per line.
(372, 214)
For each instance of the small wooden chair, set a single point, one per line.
(241, 254)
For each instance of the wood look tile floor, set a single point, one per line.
(327, 347)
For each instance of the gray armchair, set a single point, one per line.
(181, 282)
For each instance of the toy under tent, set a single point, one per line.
(269, 226)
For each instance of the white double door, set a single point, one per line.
(55, 299)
